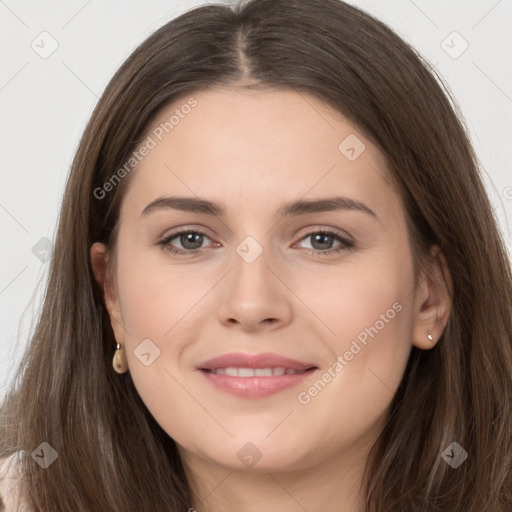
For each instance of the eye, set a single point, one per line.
(190, 240)
(323, 238)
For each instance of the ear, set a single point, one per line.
(103, 276)
(433, 300)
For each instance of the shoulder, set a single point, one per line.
(10, 483)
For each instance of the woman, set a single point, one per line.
(194, 354)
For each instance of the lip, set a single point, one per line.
(255, 387)
(263, 360)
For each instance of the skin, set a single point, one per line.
(252, 151)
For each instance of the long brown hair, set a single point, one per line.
(112, 453)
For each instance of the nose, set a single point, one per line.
(254, 297)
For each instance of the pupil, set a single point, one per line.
(189, 237)
(320, 237)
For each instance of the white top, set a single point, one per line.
(10, 484)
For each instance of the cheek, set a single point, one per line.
(364, 298)
(154, 296)
(159, 306)
(370, 310)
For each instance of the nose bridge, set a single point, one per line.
(254, 294)
(251, 274)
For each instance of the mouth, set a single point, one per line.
(255, 376)
(232, 371)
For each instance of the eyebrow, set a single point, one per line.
(292, 208)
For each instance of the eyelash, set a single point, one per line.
(346, 245)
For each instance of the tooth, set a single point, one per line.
(263, 372)
(252, 372)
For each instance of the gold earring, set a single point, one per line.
(119, 362)
(429, 336)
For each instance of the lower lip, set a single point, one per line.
(255, 387)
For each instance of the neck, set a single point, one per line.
(331, 484)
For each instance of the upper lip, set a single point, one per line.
(263, 360)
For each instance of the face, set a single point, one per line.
(311, 307)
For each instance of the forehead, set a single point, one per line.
(257, 146)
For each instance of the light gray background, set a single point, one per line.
(45, 104)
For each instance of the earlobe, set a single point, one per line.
(434, 301)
